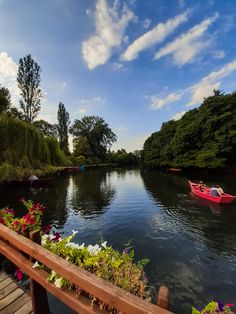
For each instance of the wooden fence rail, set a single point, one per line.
(18, 249)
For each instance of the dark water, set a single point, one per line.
(191, 244)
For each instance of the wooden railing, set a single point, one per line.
(23, 252)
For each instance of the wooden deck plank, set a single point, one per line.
(3, 276)
(10, 298)
(26, 309)
(17, 304)
(5, 283)
(7, 290)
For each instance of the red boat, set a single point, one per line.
(223, 199)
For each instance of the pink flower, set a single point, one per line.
(2, 221)
(57, 236)
(19, 274)
(229, 304)
(8, 210)
(47, 229)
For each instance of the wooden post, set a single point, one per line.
(38, 293)
(163, 297)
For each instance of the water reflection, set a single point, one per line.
(200, 238)
(191, 246)
(91, 193)
(216, 209)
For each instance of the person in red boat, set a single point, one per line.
(202, 186)
(219, 190)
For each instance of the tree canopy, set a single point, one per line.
(46, 128)
(94, 134)
(63, 127)
(28, 79)
(5, 100)
(204, 137)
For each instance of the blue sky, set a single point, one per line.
(135, 63)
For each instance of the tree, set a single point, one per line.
(63, 127)
(46, 128)
(204, 137)
(15, 113)
(28, 79)
(5, 100)
(97, 133)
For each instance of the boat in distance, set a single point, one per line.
(223, 199)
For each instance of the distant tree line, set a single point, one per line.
(204, 137)
(92, 136)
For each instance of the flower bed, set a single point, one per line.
(101, 260)
(214, 307)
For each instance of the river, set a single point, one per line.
(191, 244)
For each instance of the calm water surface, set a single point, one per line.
(191, 244)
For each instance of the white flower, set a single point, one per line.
(36, 265)
(94, 250)
(53, 274)
(73, 245)
(81, 247)
(104, 244)
(59, 282)
(74, 232)
(44, 239)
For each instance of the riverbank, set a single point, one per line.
(10, 173)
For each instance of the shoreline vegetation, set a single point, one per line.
(203, 139)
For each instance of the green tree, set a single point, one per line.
(28, 79)
(5, 100)
(204, 137)
(15, 113)
(98, 135)
(46, 128)
(63, 127)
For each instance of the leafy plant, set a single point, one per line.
(214, 307)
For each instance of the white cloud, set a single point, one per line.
(110, 28)
(158, 103)
(178, 115)
(185, 47)
(202, 89)
(154, 36)
(8, 74)
(89, 105)
(224, 71)
(210, 82)
(146, 23)
(117, 65)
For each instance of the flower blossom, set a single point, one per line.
(18, 274)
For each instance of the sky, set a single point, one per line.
(135, 63)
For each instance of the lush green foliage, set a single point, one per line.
(63, 127)
(28, 79)
(24, 148)
(46, 128)
(204, 137)
(121, 157)
(101, 260)
(29, 222)
(5, 100)
(214, 308)
(92, 137)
